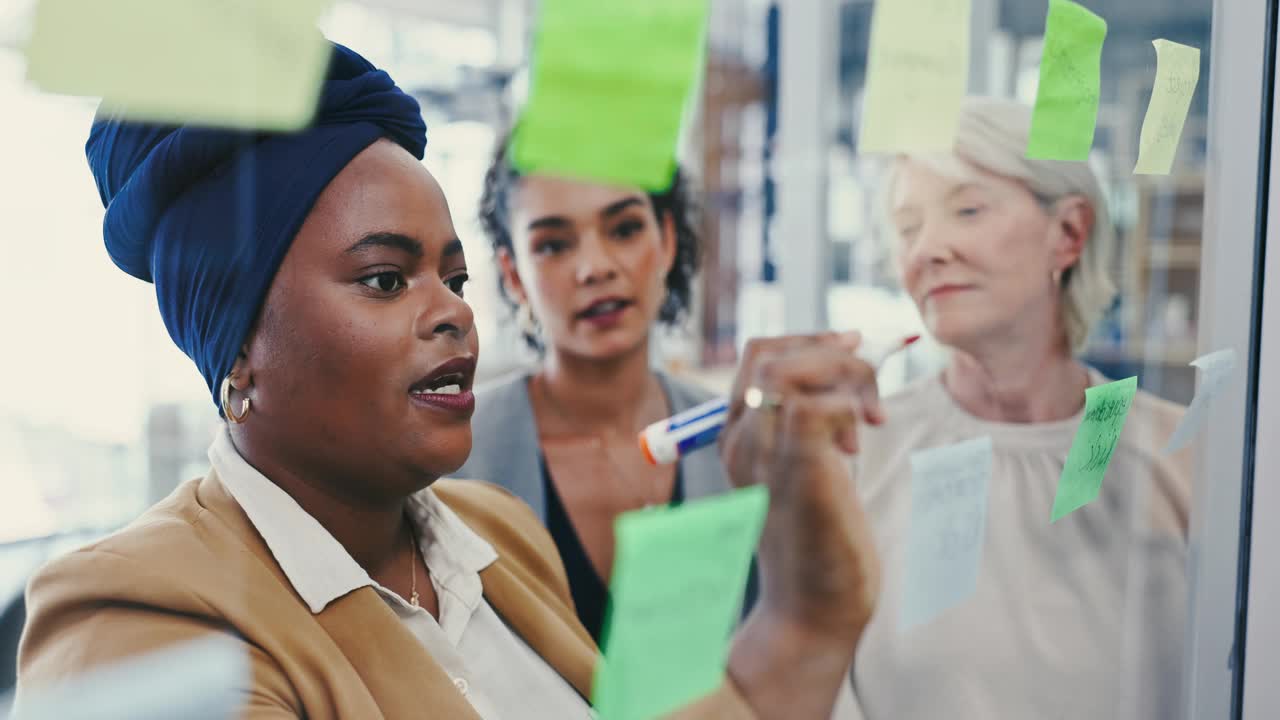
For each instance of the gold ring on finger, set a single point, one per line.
(758, 399)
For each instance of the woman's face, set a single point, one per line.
(978, 254)
(362, 359)
(591, 261)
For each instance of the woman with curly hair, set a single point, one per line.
(589, 269)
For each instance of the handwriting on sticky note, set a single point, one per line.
(947, 530)
(917, 73)
(1177, 74)
(1105, 409)
(678, 580)
(233, 63)
(608, 87)
(1066, 109)
(1216, 369)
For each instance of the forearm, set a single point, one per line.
(786, 671)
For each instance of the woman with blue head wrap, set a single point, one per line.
(316, 280)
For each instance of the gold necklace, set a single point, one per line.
(639, 500)
(413, 568)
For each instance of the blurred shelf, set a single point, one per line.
(1135, 354)
(1174, 256)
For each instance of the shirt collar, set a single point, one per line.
(315, 563)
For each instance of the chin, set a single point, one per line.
(953, 332)
(607, 346)
(442, 456)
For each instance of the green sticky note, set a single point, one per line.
(607, 90)
(1105, 410)
(917, 73)
(678, 580)
(233, 63)
(1177, 73)
(1066, 110)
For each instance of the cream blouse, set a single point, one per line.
(1082, 618)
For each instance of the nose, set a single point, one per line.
(595, 260)
(932, 246)
(447, 314)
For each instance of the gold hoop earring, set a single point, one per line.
(226, 403)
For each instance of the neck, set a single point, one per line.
(373, 533)
(609, 394)
(1019, 380)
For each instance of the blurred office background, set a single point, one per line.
(100, 416)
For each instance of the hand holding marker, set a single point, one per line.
(667, 440)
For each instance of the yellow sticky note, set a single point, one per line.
(1177, 73)
(250, 64)
(917, 73)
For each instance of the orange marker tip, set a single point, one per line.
(644, 448)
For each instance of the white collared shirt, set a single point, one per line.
(501, 676)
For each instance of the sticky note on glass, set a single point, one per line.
(678, 579)
(948, 528)
(608, 86)
(203, 679)
(917, 73)
(233, 63)
(1177, 73)
(1105, 409)
(1066, 109)
(1215, 370)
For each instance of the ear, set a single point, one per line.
(511, 277)
(241, 371)
(1072, 225)
(667, 223)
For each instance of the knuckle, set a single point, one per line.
(768, 369)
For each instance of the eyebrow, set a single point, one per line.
(558, 221)
(962, 187)
(619, 206)
(395, 241)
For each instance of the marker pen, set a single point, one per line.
(666, 441)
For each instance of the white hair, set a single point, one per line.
(992, 135)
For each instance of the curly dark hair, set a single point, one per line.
(676, 201)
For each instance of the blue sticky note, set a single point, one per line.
(948, 529)
(201, 679)
(1215, 370)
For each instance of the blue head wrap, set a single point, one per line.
(207, 215)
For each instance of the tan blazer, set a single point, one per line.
(194, 564)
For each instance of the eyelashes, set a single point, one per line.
(392, 282)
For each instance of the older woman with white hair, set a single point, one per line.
(1008, 261)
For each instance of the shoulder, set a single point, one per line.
(1146, 433)
(142, 589)
(502, 428)
(1155, 410)
(508, 524)
(502, 405)
(1150, 422)
(913, 414)
(918, 393)
(514, 384)
(148, 558)
(917, 416)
